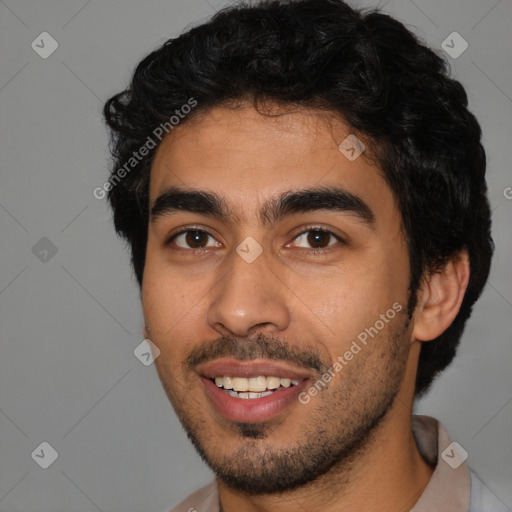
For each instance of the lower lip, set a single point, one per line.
(252, 410)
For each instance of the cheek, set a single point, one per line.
(167, 311)
(352, 298)
(166, 301)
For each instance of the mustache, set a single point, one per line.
(262, 346)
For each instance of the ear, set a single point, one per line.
(145, 333)
(440, 298)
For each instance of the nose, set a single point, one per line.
(250, 296)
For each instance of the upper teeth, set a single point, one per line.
(256, 384)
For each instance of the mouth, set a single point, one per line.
(251, 392)
(253, 387)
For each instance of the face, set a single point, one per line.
(275, 287)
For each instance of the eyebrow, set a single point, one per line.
(174, 200)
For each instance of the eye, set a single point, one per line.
(192, 239)
(317, 238)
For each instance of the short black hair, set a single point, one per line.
(362, 65)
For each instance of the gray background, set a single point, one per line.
(71, 320)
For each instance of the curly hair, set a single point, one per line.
(365, 67)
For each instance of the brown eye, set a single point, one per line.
(317, 238)
(192, 239)
(195, 239)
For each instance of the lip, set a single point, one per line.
(252, 368)
(256, 410)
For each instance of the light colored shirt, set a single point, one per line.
(452, 487)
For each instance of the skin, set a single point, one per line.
(307, 303)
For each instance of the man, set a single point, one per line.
(302, 187)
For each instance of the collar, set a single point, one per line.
(449, 486)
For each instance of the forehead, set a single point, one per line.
(247, 157)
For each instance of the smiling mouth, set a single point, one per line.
(253, 387)
(252, 391)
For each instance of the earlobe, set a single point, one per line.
(145, 333)
(440, 298)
